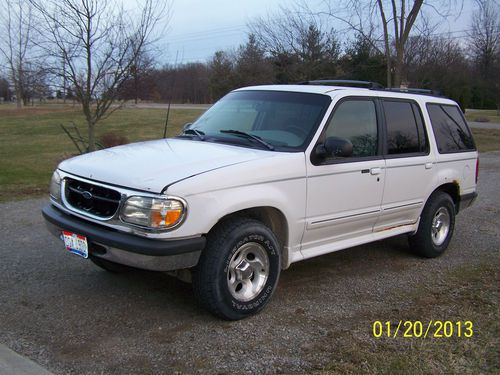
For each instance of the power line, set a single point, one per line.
(208, 33)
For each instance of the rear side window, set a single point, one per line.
(405, 130)
(450, 129)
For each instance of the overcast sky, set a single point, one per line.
(198, 28)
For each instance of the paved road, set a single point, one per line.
(484, 125)
(165, 106)
(70, 317)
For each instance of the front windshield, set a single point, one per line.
(282, 120)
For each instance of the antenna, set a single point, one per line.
(170, 98)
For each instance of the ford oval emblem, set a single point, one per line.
(87, 195)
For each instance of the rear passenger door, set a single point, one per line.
(409, 164)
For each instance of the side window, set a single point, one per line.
(405, 131)
(450, 129)
(356, 120)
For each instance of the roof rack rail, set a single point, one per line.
(343, 82)
(414, 91)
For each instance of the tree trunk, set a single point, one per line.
(398, 68)
(19, 97)
(91, 129)
(386, 43)
(136, 88)
(388, 71)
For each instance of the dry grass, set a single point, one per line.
(486, 139)
(484, 115)
(469, 293)
(32, 142)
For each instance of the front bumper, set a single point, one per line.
(126, 248)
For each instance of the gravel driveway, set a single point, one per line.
(71, 317)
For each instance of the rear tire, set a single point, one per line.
(238, 270)
(110, 266)
(436, 226)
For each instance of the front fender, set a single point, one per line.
(278, 182)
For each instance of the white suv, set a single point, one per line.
(269, 176)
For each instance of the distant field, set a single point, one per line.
(32, 142)
(487, 139)
(483, 115)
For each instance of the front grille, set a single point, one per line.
(96, 200)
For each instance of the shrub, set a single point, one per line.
(112, 139)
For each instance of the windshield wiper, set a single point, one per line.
(198, 133)
(249, 136)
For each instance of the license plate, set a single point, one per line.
(76, 244)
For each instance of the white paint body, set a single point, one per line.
(326, 207)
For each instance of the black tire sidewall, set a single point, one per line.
(261, 235)
(426, 245)
(447, 203)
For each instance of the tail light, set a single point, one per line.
(477, 169)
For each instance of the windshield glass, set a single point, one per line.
(284, 121)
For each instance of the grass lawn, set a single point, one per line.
(485, 115)
(477, 296)
(486, 139)
(32, 142)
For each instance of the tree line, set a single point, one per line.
(100, 54)
(294, 46)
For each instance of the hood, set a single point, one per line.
(153, 165)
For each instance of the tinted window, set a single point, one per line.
(286, 120)
(450, 129)
(356, 120)
(404, 133)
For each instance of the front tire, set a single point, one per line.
(435, 230)
(238, 270)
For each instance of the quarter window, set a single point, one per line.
(356, 120)
(405, 131)
(450, 129)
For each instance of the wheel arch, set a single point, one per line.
(453, 190)
(271, 217)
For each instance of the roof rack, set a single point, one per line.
(371, 86)
(414, 91)
(343, 82)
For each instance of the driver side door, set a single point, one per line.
(344, 194)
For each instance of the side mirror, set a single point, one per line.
(334, 147)
(186, 126)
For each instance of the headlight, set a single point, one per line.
(155, 213)
(55, 187)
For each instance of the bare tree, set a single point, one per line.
(393, 22)
(298, 42)
(484, 38)
(5, 93)
(99, 42)
(142, 65)
(16, 43)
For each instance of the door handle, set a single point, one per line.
(428, 165)
(375, 171)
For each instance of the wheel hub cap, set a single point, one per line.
(248, 271)
(440, 226)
